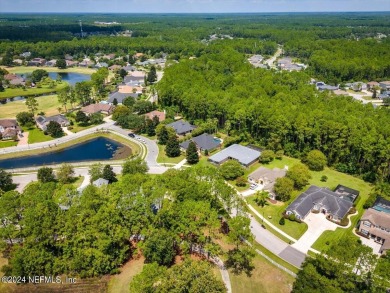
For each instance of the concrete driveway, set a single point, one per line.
(317, 224)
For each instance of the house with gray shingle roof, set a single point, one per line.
(43, 121)
(203, 142)
(244, 155)
(267, 178)
(181, 127)
(320, 199)
(120, 97)
(100, 182)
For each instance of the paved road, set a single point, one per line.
(276, 245)
(271, 60)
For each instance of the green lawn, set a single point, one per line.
(265, 278)
(6, 144)
(273, 213)
(78, 128)
(162, 157)
(295, 229)
(37, 135)
(29, 69)
(47, 104)
(16, 92)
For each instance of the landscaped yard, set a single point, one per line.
(9, 143)
(47, 104)
(273, 213)
(16, 92)
(77, 128)
(295, 229)
(265, 278)
(37, 135)
(162, 157)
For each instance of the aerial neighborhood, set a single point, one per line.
(196, 151)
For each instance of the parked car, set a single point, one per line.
(253, 186)
(131, 135)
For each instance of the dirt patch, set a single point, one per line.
(122, 153)
(275, 202)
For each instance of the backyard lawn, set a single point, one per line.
(273, 213)
(47, 104)
(265, 278)
(16, 92)
(162, 157)
(29, 69)
(37, 135)
(6, 144)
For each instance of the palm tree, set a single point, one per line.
(261, 198)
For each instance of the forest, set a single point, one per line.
(280, 110)
(338, 47)
(97, 231)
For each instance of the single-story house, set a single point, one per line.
(160, 115)
(382, 205)
(9, 129)
(25, 54)
(18, 61)
(319, 199)
(101, 64)
(203, 142)
(327, 87)
(130, 68)
(100, 182)
(109, 56)
(42, 121)
(267, 178)
(105, 109)
(385, 85)
(359, 86)
(14, 79)
(255, 59)
(120, 97)
(71, 63)
(375, 224)
(51, 63)
(115, 67)
(372, 84)
(181, 127)
(244, 155)
(86, 63)
(36, 62)
(347, 193)
(68, 57)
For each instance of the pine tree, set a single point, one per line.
(192, 153)
(163, 136)
(152, 75)
(172, 149)
(109, 174)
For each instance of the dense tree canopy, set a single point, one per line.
(280, 110)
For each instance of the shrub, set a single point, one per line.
(279, 154)
(231, 170)
(316, 160)
(324, 178)
(292, 217)
(282, 221)
(266, 156)
(70, 127)
(241, 181)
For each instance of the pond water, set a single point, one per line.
(70, 77)
(96, 149)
